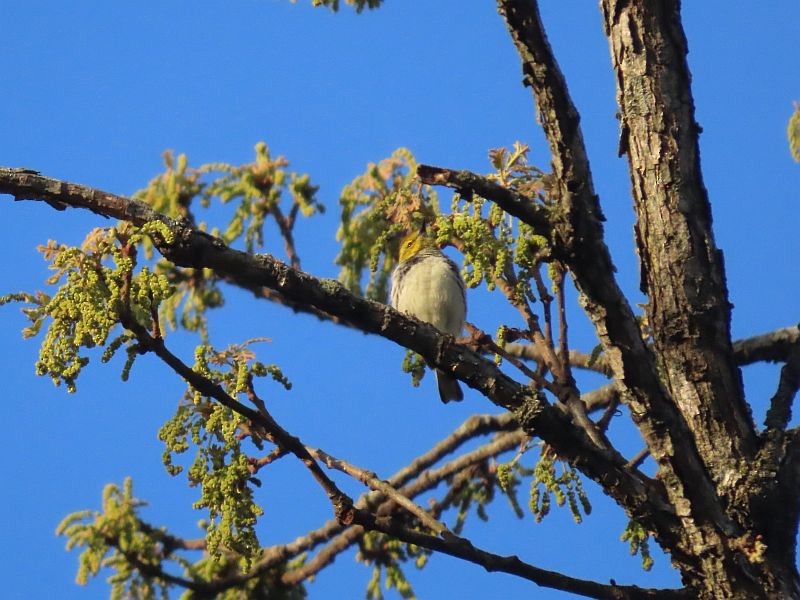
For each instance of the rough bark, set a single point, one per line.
(682, 269)
(684, 278)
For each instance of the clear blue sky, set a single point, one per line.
(94, 91)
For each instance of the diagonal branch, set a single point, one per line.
(462, 548)
(635, 493)
(342, 504)
(372, 481)
(468, 183)
(341, 537)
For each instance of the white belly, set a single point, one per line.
(432, 293)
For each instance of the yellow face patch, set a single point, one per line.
(410, 245)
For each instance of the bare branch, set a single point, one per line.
(601, 397)
(639, 458)
(371, 480)
(341, 537)
(462, 548)
(577, 359)
(285, 225)
(780, 408)
(774, 346)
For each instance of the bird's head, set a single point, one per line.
(413, 242)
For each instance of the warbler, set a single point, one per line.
(427, 284)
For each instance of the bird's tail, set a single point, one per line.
(448, 387)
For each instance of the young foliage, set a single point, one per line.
(638, 539)
(105, 295)
(221, 467)
(99, 290)
(414, 364)
(102, 279)
(388, 199)
(138, 556)
(386, 555)
(359, 5)
(114, 539)
(252, 194)
(793, 133)
(266, 585)
(565, 487)
(376, 207)
(496, 248)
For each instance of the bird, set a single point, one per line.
(428, 285)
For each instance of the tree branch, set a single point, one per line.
(774, 346)
(342, 504)
(385, 507)
(462, 548)
(780, 408)
(371, 480)
(415, 479)
(192, 248)
(468, 183)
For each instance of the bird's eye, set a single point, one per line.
(410, 243)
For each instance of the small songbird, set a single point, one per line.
(427, 284)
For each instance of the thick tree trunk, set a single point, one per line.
(683, 276)
(682, 270)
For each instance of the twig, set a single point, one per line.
(639, 458)
(601, 397)
(780, 408)
(773, 346)
(611, 410)
(462, 548)
(156, 570)
(485, 341)
(547, 306)
(577, 359)
(425, 480)
(285, 227)
(258, 463)
(371, 480)
(563, 343)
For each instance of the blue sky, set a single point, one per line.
(93, 92)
